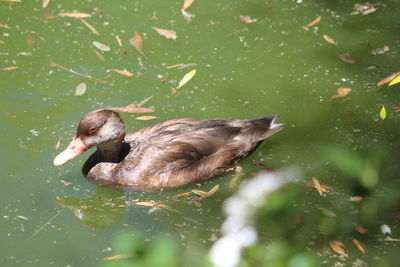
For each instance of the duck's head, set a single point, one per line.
(95, 128)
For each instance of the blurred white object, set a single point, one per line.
(237, 230)
(385, 229)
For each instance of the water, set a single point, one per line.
(277, 65)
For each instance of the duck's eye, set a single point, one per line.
(92, 130)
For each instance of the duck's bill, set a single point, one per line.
(74, 149)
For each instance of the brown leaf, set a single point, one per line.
(123, 72)
(187, 4)
(347, 58)
(75, 15)
(388, 79)
(166, 33)
(209, 193)
(329, 39)
(361, 230)
(247, 19)
(119, 256)
(341, 92)
(337, 246)
(137, 42)
(265, 168)
(358, 245)
(315, 21)
(9, 68)
(145, 118)
(45, 3)
(90, 27)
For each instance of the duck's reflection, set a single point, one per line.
(102, 210)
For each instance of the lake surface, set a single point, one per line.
(275, 65)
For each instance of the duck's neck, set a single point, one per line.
(110, 151)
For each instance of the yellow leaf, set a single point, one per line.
(395, 80)
(388, 79)
(317, 185)
(382, 113)
(188, 76)
(209, 193)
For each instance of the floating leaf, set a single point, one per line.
(395, 80)
(145, 118)
(329, 39)
(119, 256)
(135, 107)
(9, 68)
(187, 4)
(22, 217)
(356, 198)
(392, 239)
(369, 11)
(123, 72)
(137, 42)
(45, 3)
(101, 46)
(341, 92)
(327, 212)
(209, 193)
(347, 58)
(315, 21)
(382, 113)
(358, 245)
(199, 192)
(182, 66)
(58, 145)
(188, 76)
(361, 230)
(118, 40)
(80, 89)
(188, 17)
(388, 79)
(166, 33)
(317, 186)
(265, 168)
(90, 27)
(75, 15)
(337, 246)
(29, 40)
(182, 194)
(324, 188)
(247, 19)
(5, 26)
(99, 55)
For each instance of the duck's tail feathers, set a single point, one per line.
(270, 122)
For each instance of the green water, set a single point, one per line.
(277, 65)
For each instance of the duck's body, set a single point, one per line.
(168, 154)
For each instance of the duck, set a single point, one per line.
(168, 154)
